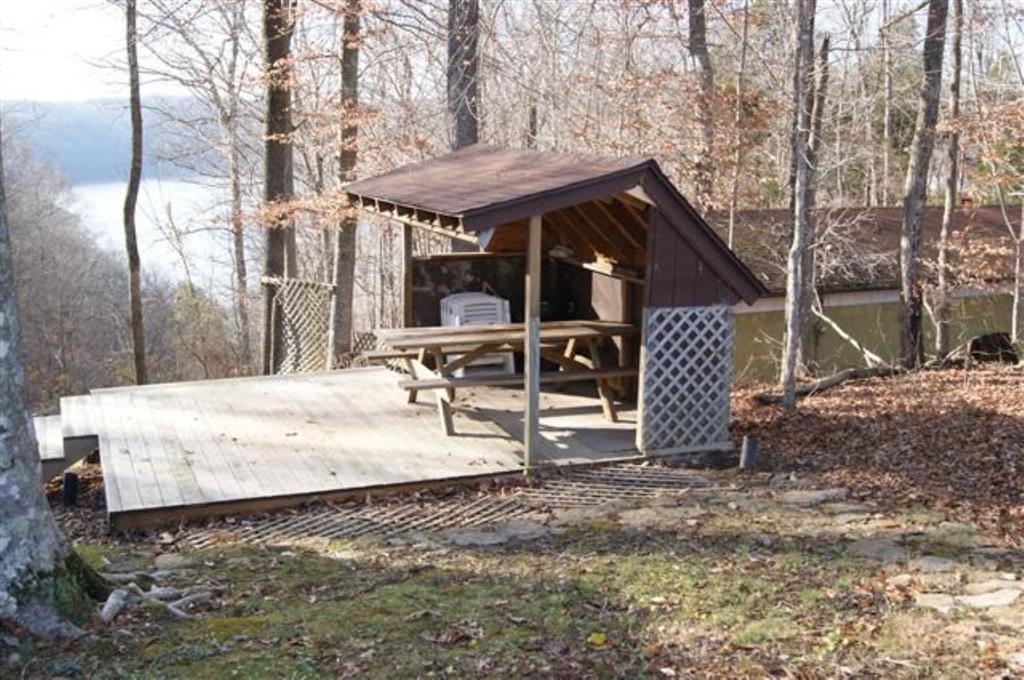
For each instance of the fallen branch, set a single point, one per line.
(822, 384)
(870, 358)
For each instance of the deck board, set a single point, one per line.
(211, 447)
(225, 445)
(49, 437)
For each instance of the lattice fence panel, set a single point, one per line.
(304, 309)
(687, 374)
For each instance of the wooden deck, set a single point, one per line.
(185, 450)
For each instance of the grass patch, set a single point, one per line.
(589, 603)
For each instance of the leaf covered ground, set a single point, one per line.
(952, 439)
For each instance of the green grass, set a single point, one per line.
(598, 601)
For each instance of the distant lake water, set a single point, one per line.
(194, 208)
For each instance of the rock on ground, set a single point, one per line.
(940, 602)
(810, 497)
(496, 534)
(171, 561)
(885, 550)
(998, 598)
(932, 564)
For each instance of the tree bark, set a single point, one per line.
(806, 361)
(241, 277)
(31, 548)
(915, 190)
(942, 307)
(703, 171)
(279, 254)
(737, 117)
(463, 70)
(801, 208)
(130, 200)
(345, 239)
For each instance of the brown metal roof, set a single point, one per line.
(583, 199)
(481, 178)
(762, 239)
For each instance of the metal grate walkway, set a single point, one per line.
(580, 487)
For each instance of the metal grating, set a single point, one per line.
(582, 487)
(304, 308)
(687, 371)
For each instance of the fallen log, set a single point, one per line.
(815, 386)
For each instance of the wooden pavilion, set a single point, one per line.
(621, 221)
(636, 298)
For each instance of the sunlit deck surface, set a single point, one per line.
(189, 450)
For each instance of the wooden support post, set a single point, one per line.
(748, 454)
(531, 345)
(407, 276)
(603, 391)
(69, 490)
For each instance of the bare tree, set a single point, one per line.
(942, 307)
(910, 302)
(31, 548)
(279, 250)
(132, 197)
(463, 71)
(345, 238)
(205, 47)
(795, 279)
(737, 118)
(818, 95)
(704, 169)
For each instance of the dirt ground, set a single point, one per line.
(880, 542)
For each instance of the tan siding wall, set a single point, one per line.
(759, 335)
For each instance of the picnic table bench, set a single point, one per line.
(455, 347)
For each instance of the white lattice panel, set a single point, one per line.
(687, 373)
(305, 311)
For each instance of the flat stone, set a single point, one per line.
(1015, 661)
(940, 602)
(900, 580)
(933, 564)
(172, 561)
(958, 534)
(885, 550)
(991, 586)
(847, 508)
(659, 516)
(496, 534)
(806, 498)
(572, 515)
(943, 580)
(998, 598)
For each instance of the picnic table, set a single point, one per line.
(453, 347)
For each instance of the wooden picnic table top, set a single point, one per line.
(510, 334)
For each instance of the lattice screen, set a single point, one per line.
(304, 309)
(687, 372)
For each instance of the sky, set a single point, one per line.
(51, 50)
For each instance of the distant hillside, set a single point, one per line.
(90, 141)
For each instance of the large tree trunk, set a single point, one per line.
(703, 171)
(31, 548)
(801, 208)
(910, 303)
(279, 253)
(345, 240)
(463, 70)
(808, 325)
(942, 307)
(131, 198)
